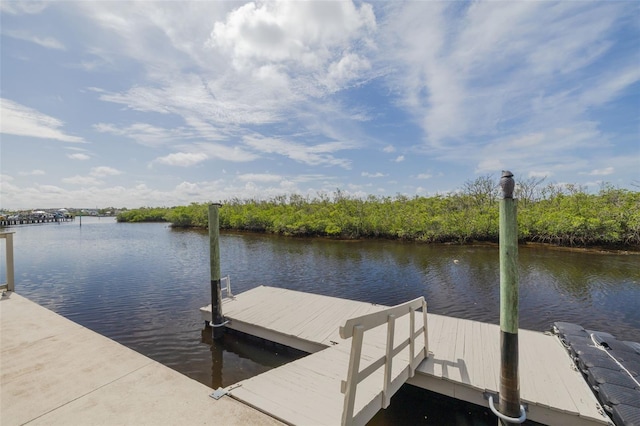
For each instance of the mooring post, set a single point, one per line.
(509, 404)
(214, 260)
(8, 241)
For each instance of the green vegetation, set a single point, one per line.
(560, 215)
(144, 214)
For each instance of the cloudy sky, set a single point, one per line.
(166, 103)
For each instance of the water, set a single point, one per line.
(143, 284)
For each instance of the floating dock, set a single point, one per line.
(56, 372)
(611, 367)
(463, 361)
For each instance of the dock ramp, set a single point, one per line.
(346, 383)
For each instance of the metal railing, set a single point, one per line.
(10, 284)
(355, 328)
(225, 284)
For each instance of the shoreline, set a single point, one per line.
(596, 249)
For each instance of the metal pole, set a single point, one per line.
(509, 384)
(214, 260)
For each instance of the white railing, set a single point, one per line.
(10, 284)
(355, 328)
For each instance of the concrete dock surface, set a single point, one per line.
(56, 372)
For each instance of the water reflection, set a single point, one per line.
(249, 356)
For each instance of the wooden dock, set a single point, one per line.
(463, 361)
(56, 372)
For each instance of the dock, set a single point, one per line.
(56, 372)
(462, 361)
(32, 220)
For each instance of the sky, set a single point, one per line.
(130, 104)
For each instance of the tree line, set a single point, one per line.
(563, 215)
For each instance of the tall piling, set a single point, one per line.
(509, 404)
(214, 261)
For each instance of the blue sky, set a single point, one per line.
(166, 103)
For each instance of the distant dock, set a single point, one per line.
(56, 372)
(30, 220)
(463, 361)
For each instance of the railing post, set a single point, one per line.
(412, 340)
(388, 364)
(426, 332)
(352, 375)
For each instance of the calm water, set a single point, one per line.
(142, 285)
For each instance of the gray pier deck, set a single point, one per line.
(56, 372)
(464, 361)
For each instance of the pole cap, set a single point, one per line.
(507, 184)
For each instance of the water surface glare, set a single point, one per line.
(143, 284)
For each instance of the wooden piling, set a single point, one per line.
(214, 260)
(509, 404)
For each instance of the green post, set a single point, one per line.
(214, 260)
(509, 383)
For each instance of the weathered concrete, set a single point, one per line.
(56, 372)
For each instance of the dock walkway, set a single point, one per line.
(464, 361)
(56, 372)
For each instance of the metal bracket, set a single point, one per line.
(219, 325)
(487, 393)
(220, 392)
(491, 396)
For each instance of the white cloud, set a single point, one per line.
(314, 155)
(23, 7)
(48, 42)
(345, 70)
(259, 177)
(372, 175)
(36, 172)
(79, 156)
(234, 154)
(81, 180)
(539, 174)
(552, 150)
(182, 159)
(303, 33)
(103, 171)
(145, 134)
(471, 70)
(24, 121)
(258, 64)
(389, 149)
(425, 176)
(399, 159)
(602, 172)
